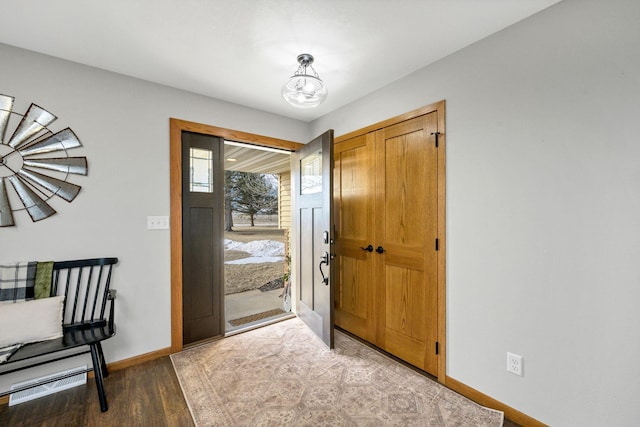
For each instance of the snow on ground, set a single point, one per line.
(260, 250)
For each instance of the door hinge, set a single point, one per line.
(437, 245)
(437, 347)
(436, 135)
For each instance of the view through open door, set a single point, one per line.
(313, 234)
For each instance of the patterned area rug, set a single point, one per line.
(283, 374)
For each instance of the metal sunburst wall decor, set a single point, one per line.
(34, 163)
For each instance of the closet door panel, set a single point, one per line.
(353, 201)
(405, 189)
(406, 230)
(405, 317)
(354, 279)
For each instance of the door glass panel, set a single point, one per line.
(311, 174)
(201, 173)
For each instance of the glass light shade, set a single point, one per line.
(304, 91)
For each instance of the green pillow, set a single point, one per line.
(43, 279)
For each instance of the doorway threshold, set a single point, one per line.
(260, 324)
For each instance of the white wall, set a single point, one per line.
(123, 124)
(543, 208)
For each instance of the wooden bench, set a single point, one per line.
(88, 319)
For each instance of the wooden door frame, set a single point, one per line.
(176, 127)
(441, 271)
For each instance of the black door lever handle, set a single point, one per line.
(368, 248)
(380, 249)
(324, 260)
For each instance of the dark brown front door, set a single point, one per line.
(312, 184)
(202, 225)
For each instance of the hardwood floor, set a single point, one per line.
(143, 395)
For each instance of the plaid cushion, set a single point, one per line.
(17, 281)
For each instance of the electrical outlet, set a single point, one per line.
(514, 364)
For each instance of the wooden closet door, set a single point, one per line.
(406, 229)
(354, 181)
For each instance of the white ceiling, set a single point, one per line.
(242, 51)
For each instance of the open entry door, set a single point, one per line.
(313, 237)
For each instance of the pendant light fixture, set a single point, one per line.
(305, 89)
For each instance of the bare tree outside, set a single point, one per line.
(250, 194)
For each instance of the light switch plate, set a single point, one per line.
(157, 223)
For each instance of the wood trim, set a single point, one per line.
(175, 215)
(394, 120)
(484, 400)
(176, 127)
(236, 135)
(136, 360)
(442, 241)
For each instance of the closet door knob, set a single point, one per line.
(368, 248)
(380, 249)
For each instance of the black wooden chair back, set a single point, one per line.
(86, 286)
